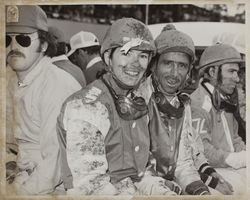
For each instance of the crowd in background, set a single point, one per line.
(106, 14)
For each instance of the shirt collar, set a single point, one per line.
(93, 61)
(57, 58)
(44, 62)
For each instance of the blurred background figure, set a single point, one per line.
(85, 53)
(61, 60)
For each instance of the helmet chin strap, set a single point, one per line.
(121, 84)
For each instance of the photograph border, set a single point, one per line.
(3, 3)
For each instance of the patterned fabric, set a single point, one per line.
(97, 146)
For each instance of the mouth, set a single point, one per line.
(172, 82)
(15, 56)
(132, 73)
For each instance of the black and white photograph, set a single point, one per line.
(127, 99)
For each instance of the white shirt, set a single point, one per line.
(38, 101)
(93, 61)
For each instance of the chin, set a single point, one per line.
(130, 84)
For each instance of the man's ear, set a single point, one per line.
(44, 46)
(106, 57)
(211, 72)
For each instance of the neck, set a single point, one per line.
(116, 87)
(169, 96)
(90, 57)
(22, 74)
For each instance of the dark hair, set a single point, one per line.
(219, 75)
(61, 48)
(73, 57)
(152, 65)
(112, 52)
(50, 39)
(206, 71)
(93, 49)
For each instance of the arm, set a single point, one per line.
(201, 163)
(186, 173)
(238, 144)
(81, 133)
(11, 144)
(202, 125)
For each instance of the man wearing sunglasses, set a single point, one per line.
(38, 95)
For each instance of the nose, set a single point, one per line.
(135, 59)
(236, 77)
(174, 69)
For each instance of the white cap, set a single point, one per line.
(81, 40)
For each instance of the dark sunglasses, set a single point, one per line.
(23, 40)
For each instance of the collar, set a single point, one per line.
(32, 75)
(57, 58)
(93, 61)
(174, 101)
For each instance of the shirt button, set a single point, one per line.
(171, 148)
(140, 174)
(134, 124)
(137, 148)
(44, 155)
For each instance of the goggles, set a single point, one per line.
(165, 107)
(228, 105)
(128, 108)
(23, 40)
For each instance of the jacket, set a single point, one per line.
(97, 146)
(177, 149)
(64, 63)
(38, 99)
(218, 129)
(94, 69)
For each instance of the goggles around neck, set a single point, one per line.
(23, 40)
(165, 107)
(226, 104)
(128, 108)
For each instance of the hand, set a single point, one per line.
(173, 186)
(236, 159)
(154, 185)
(11, 171)
(223, 186)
